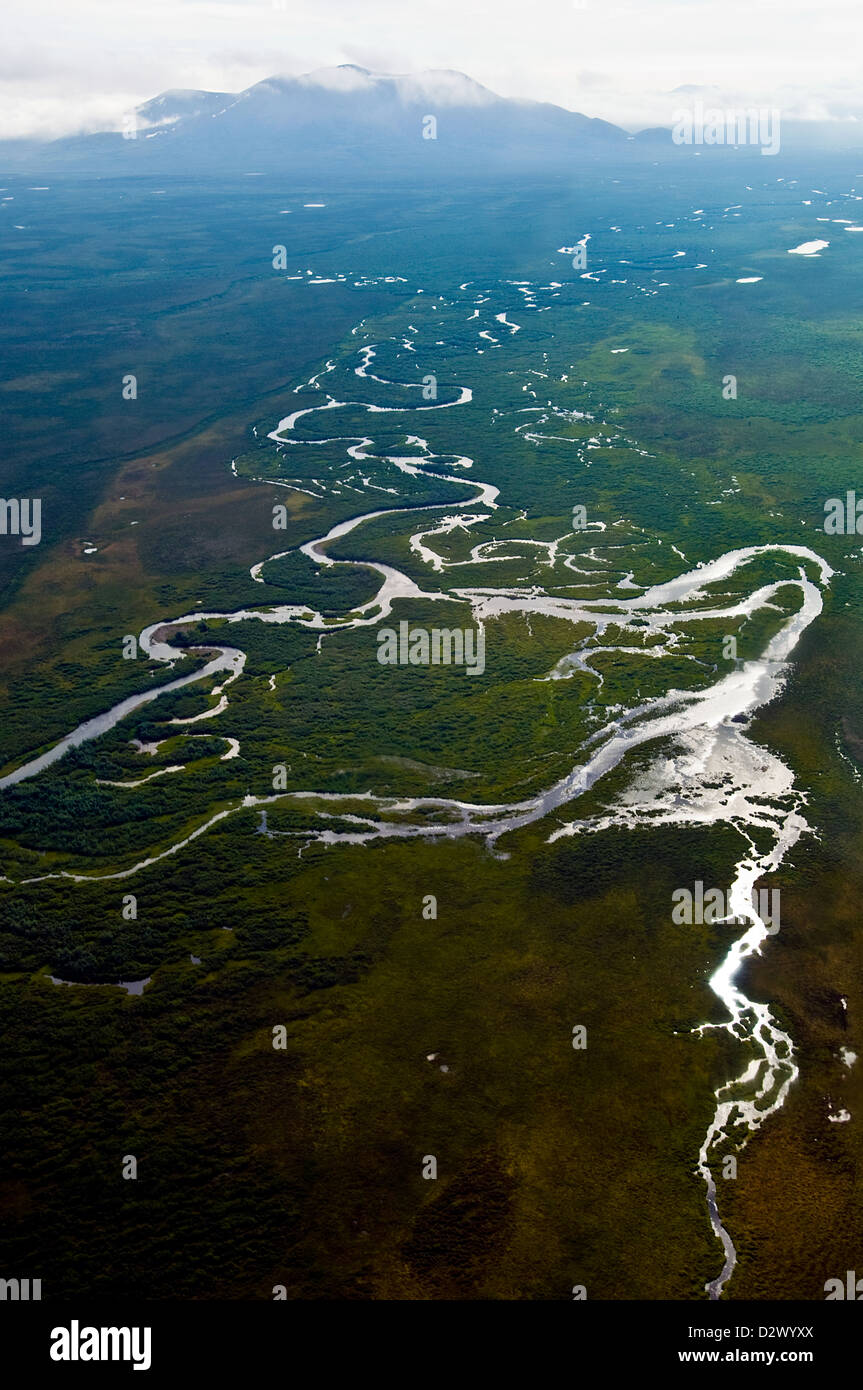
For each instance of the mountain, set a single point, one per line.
(180, 105)
(345, 117)
(363, 124)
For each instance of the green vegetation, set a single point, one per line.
(410, 1035)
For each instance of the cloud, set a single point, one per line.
(66, 66)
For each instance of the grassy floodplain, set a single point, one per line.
(409, 1036)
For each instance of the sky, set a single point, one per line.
(72, 65)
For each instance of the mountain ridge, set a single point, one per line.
(350, 120)
(346, 116)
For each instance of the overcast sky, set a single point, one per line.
(69, 65)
